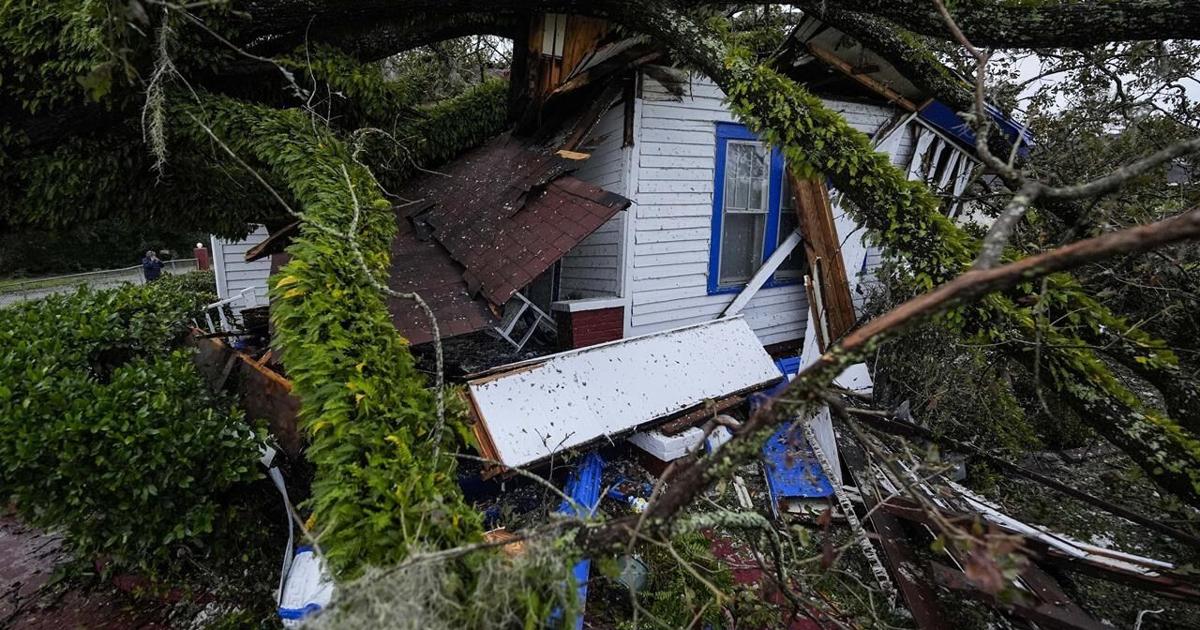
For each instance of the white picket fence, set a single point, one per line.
(42, 287)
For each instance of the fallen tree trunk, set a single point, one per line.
(905, 217)
(696, 474)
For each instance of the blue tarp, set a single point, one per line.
(940, 115)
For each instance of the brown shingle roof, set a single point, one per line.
(482, 228)
(426, 268)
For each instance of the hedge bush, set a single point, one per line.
(107, 431)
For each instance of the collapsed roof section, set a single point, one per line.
(864, 70)
(483, 227)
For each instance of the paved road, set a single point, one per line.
(95, 280)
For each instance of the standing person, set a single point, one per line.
(151, 266)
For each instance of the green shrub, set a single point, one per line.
(107, 431)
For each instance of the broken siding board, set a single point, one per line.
(571, 399)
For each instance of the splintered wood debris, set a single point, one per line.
(526, 412)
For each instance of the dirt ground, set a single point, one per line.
(32, 596)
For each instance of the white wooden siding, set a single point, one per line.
(232, 271)
(673, 222)
(900, 144)
(594, 267)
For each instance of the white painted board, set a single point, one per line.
(570, 399)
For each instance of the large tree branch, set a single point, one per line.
(1001, 23)
(698, 473)
(1049, 24)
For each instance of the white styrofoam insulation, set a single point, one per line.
(534, 409)
(671, 447)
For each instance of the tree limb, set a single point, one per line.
(697, 474)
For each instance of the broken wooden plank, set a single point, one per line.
(273, 244)
(918, 596)
(530, 410)
(909, 430)
(871, 84)
(1047, 589)
(1160, 582)
(763, 274)
(706, 411)
(1043, 614)
(823, 247)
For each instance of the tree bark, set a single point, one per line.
(1042, 23)
(935, 251)
(697, 474)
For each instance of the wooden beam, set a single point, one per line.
(273, 244)
(698, 415)
(908, 572)
(822, 245)
(629, 96)
(866, 81)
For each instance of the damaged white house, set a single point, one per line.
(638, 203)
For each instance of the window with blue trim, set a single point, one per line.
(753, 212)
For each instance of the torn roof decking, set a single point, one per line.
(528, 411)
(508, 212)
(483, 227)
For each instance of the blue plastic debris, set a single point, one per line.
(583, 486)
(638, 503)
(944, 118)
(789, 465)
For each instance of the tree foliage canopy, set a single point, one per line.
(214, 115)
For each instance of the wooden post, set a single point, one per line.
(822, 246)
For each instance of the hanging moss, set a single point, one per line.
(905, 218)
(384, 480)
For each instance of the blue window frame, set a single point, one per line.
(749, 191)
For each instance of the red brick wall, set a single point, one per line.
(588, 328)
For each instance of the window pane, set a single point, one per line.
(745, 177)
(741, 247)
(793, 265)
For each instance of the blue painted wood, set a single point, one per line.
(944, 118)
(789, 465)
(734, 131)
(583, 486)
